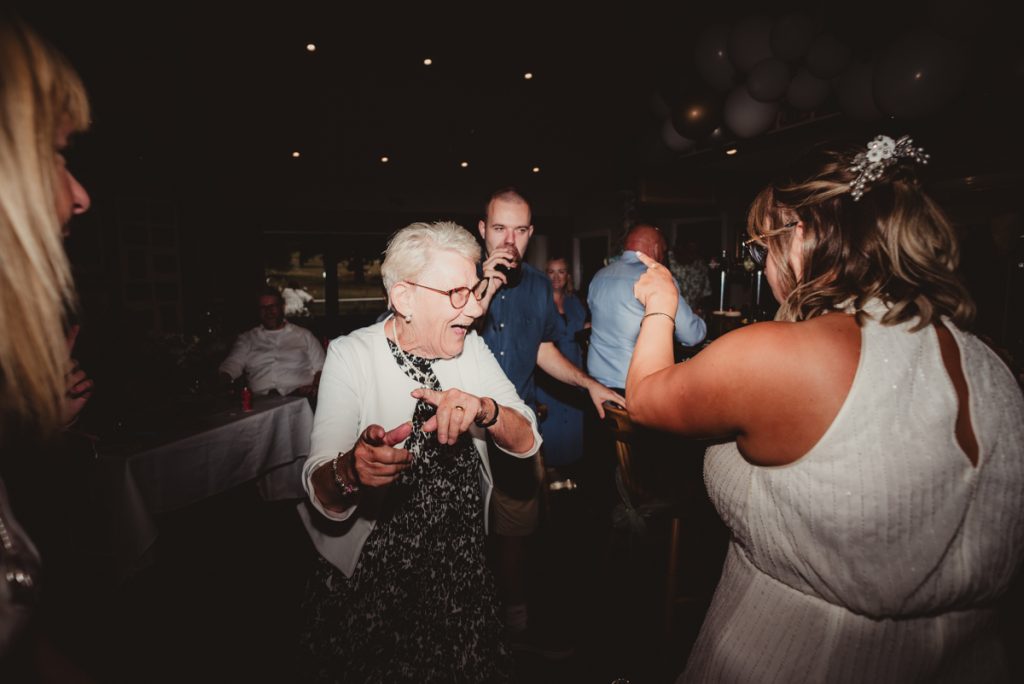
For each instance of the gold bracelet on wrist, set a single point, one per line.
(660, 313)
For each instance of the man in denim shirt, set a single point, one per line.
(519, 329)
(616, 314)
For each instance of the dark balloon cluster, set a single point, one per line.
(748, 72)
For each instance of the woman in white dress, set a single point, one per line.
(874, 480)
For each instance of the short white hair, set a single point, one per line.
(411, 249)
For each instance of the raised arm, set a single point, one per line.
(775, 387)
(695, 397)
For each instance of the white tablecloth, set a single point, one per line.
(267, 444)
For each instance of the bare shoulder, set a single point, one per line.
(781, 340)
(754, 351)
(774, 386)
(798, 384)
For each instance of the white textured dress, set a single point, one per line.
(880, 554)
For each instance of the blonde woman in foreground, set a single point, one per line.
(42, 102)
(874, 486)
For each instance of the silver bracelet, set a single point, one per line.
(346, 488)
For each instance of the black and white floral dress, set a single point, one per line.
(420, 605)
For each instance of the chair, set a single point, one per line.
(639, 504)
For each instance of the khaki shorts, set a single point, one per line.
(515, 501)
(513, 517)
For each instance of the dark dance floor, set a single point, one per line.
(220, 603)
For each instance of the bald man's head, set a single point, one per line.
(647, 239)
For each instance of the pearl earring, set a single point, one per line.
(408, 318)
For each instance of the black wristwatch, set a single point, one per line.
(494, 418)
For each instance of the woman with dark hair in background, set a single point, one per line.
(875, 481)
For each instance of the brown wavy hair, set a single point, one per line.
(895, 244)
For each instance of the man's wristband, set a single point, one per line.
(346, 488)
(494, 419)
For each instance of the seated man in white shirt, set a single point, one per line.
(276, 356)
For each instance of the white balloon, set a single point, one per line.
(856, 92)
(745, 116)
(711, 55)
(792, 35)
(807, 92)
(769, 79)
(675, 142)
(828, 56)
(918, 74)
(750, 42)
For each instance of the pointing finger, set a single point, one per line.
(646, 260)
(430, 396)
(398, 434)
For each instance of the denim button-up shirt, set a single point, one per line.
(518, 321)
(615, 316)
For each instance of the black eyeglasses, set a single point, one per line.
(459, 296)
(759, 252)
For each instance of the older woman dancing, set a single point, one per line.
(401, 591)
(875, 485)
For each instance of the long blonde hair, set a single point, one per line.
(40, 94)
(894, 244)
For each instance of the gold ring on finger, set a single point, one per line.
(460, 408)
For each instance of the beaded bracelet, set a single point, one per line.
(347, 488)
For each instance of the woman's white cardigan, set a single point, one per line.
(362, 385)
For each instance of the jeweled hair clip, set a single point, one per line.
(882, 152)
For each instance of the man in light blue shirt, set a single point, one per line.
(616, 314)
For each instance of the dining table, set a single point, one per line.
(166, 470)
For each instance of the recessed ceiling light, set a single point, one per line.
(385, 159)
(528, 75)
(296, 154)
(428, 61)
(536, 169)
(310, 47)
(464, 164)
(731, 151)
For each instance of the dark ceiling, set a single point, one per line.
(217, 99)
